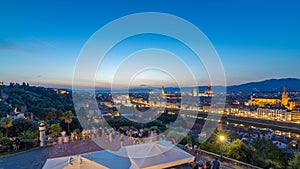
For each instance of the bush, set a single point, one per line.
(29, 143)
(176, 135)
(29, 135)
(4, 142)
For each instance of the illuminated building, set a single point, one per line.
(274, 113)
(296, 114)
(218, 108)
(234, 109)
(284, 101)
(264, 101)
(248, 112)
(207, 93)
(60, 91)
(169, 95)
(195, 92)
(162, 90)
(285, 96)
(1, 83)
(63, 92)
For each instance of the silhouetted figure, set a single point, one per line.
(216, 164)
(207, 165)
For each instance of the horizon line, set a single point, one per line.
(138, 87)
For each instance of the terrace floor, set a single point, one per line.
(35, 159)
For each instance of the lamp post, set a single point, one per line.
(298, 144)
(221, 140)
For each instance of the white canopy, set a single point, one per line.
(78, 162)
(159, 154)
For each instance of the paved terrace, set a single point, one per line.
(35, 158)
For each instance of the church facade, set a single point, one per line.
(284, 101)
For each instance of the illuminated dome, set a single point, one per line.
(208, 90)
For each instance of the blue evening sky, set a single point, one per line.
(41, 40)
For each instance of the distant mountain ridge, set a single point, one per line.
(271, 85)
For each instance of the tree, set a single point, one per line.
(294, 163)
(67, 116)
(240, 151)
(21, 125)
(54, 129)
(178, 136)
(6, 122)
(268, 154)
(82, 115)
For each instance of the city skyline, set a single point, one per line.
(40, 43)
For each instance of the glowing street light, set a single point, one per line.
(221, 141)
(222, 138)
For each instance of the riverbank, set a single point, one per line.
(275, 125)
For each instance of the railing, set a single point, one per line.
(230, 160)
(224, 159)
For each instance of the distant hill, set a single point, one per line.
(37, 100)
(272, 85)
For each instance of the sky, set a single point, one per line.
(40, 41)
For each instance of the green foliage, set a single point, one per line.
(67, 116)
(167, 118)
(240, 151)
(73, 126)
(187, 140)
(29, 143)
(259, 152)
(268, 154)
(6, 122)
(153, 128)
(29, 135)
(294, 163)
(46, 114)
(54, 130)
(21, 125)
(4, 142)
(118, 122)
(211, 146)
(178, 136)
(36, 99)
(4, 109)
(82, 114)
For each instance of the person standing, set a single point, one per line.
(207, 165)
(130, 134)
(215, 164)
(77, 137)
(110, 137)
(72, 136)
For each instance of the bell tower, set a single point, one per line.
(285, 97)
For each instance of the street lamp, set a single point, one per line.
(221, 140)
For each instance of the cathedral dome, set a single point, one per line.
(209, 90)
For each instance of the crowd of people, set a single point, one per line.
(201, 164)
(206, 164)
(136, 136)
